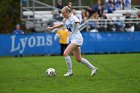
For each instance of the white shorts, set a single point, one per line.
(78, 40)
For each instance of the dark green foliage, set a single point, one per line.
(9, 15)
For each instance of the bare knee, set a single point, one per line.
(78, 59)
(65, 54)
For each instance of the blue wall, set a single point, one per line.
(28, 44)
(111, 42)
(44, 43)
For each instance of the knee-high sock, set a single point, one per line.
(69, 63)
(87, 63)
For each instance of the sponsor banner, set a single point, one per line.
(45, 44)
(29, 44)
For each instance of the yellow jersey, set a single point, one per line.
(63, 35)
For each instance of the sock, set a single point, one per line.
(69, 63)
(87, 63)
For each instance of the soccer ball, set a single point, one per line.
(50, 72)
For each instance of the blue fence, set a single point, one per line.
(111, 42)
(44, 43)
(28, 44)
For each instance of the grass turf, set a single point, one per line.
(118, 73)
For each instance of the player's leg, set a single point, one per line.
(65, 46)
(77, 55)
(66, 54)
(61, 46)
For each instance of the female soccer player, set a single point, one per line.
(71, 22)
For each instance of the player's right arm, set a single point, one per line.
(55, 26)
(58, 25)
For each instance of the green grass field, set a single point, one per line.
(118, 73)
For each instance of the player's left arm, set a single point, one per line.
(76, 26)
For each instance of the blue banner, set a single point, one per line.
(45, 44)
(114, 42)
(29, 44)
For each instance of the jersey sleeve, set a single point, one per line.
(58, 32)
(76, 19)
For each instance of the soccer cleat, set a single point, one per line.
(68, 74)
(93, 72)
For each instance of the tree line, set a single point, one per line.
(9, 15)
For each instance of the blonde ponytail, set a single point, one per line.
(67, 9)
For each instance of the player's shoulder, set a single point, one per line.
(76, 19)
